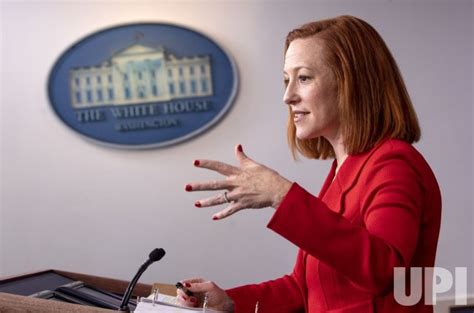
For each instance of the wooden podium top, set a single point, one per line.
(19, 304)
(15, 303)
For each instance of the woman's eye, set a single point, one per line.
(303, 78)
(286, 81)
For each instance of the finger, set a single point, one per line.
(240, 155)
(180, 293)
(187, 301)
(180, 299)
(193, 301)
(203, 287)
(181, 289)
(209, 185)
(220, 167)
(231, 209)
(187, 282)
(215, 200)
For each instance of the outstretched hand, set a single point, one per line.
(249, 186)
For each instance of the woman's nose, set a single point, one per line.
(290, 96)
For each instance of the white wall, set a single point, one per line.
(69, 204)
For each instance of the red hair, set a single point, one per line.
(372, 98)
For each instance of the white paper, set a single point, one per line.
(145, 307)
(165, 304)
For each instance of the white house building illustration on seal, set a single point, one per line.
(140, 74)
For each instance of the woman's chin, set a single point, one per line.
(304, 135)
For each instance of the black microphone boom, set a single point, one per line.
(154, 256)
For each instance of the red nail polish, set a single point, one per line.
(196, 162)
(215, 218)
(187, 285)
(189, 188)
(198, 204)
(193, 300)
(239, 147)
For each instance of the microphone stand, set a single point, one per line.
(155, 255)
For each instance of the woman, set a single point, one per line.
(380, 205)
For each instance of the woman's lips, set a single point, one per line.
(299, 115)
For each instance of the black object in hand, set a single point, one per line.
(179, 285)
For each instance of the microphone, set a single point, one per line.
(154, 256)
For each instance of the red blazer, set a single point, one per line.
(382, 211)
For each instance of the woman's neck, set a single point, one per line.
(341, 156)
(339, 148)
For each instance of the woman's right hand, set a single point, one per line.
(217, 298)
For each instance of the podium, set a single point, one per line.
(15, 291)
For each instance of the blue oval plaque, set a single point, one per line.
(142, 85)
